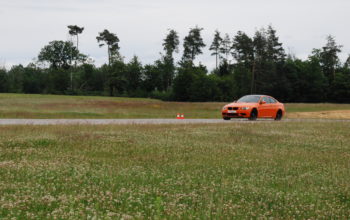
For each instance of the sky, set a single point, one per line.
(28, 25)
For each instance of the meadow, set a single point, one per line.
(283, 170)
(57, 106)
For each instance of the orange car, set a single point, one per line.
(253, 107)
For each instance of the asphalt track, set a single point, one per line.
(149, 121)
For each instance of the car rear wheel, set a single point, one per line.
(253, 115)
(226, 119)
(278, 115)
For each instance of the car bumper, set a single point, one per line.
(237, 114)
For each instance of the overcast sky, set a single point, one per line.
(27, 25)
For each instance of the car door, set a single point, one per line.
(263, 108)
(273, 108)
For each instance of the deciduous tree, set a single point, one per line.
(60, 54)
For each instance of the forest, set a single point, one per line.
(245, 64)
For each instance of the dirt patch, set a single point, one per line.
(337, 114)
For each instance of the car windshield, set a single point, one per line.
(249, 98)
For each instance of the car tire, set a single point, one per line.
(253, 115)
(279, 115)
(226, 119)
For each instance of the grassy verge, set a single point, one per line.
(265, 169)
(52, 106)
(55, 106)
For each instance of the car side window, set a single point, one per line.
(265, 99)
(271, 100)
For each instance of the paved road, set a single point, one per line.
(145, 121)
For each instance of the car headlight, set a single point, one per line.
(224, 108)
(245, 108)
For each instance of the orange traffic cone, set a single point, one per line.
(180, 116)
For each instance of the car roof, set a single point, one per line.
(261, 95)
(264, 95)
(255, 95)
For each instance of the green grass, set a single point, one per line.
(55, 106)
(238, 170)
(315, 107)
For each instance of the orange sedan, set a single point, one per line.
(253, 107)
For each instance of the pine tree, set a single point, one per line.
(170, 45)
(75, 30)
(274, 50)
(226, 47)
(215, 47)
(243, 49)
(260, 56)
(111, 40)
(329, 58)
(193, 44)
(347, 63)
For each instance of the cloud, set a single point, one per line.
(142, 25)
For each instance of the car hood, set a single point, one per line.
(241, 104)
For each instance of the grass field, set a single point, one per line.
(54, 106)
(239, 170)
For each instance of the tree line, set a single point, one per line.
(245, 64)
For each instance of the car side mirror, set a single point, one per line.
(262, 102)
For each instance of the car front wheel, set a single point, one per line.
(253, 115)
